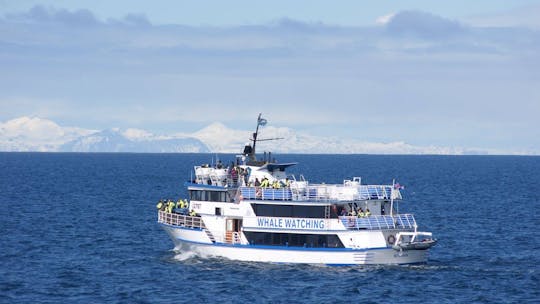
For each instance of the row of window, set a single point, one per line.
(213, 196)
(294, 239)
(289, 211)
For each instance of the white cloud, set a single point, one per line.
(383, 20)
(418, 72)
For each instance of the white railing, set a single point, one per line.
(379, 222)
(176, 219)
(323, 193)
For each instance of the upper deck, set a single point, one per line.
(323, 193)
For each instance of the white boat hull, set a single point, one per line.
(198, 242)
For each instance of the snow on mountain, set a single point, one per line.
(138, 134)
(221, 139)
(292, 142)
(36, 134)
(132, 140)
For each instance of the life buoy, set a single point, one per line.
(391, 239)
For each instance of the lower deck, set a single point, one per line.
(344, 232)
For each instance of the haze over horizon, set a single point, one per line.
(428, 74)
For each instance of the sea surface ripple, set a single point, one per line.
(81, 228)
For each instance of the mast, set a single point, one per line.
(252, 155)
(250, 150)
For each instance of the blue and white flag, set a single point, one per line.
(262, 121)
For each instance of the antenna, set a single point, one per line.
(250, 151)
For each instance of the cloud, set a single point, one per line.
(423, 25)
(385, 19)
(47, 15)
(40, 14)
(417, 70)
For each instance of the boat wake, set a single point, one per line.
(182, 256)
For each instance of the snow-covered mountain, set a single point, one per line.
(116, 140)
(37, 134)
(43, 135)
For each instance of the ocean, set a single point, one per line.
(81, 228)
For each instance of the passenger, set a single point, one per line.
(192, 213)
(219, 164)
(361, 212)
(257, 182)
(234, 175)
(276, 185)
(265, 183)
(170, 206)
(159, 204)
(343, 212)
(179, 203)
(186, 204)
(367, 213)
(287, 183)
(352, 212)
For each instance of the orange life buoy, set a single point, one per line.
(391, 239)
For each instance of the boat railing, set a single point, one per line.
(176, 219)
(379, 222)
(323, 193)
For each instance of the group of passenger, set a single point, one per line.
(358, 212)
(265, 183)
(181, 206)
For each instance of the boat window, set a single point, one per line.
(294, 239)
(205, 195)
(288, 211)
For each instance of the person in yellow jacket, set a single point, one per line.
(361, 213)
(192, 213)
(170, 206)
(367, 213)
(159, 204)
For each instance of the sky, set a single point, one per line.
(448, 73)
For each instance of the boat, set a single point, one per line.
(253, 210)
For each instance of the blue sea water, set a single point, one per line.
(81, 228)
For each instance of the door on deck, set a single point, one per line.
(232, 234)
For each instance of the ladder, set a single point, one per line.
(210, 235)
(327, 211)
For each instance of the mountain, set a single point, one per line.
(38, 134)
(115, 140)
(221, 139)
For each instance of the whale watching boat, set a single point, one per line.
(252, 210)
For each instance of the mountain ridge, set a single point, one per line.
(43, 135)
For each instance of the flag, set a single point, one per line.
(262, 121)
